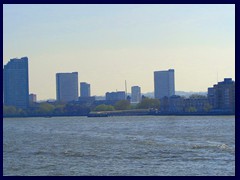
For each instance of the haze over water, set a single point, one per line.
(144, 145)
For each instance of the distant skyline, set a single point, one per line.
(108, 44)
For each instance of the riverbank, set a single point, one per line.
(154, 113)
(138, 112)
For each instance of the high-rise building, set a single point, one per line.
(115, 96)
(136, 94)
(164, 84)
(15, 83)
(222, 95)
(84, 89)
(67, 86)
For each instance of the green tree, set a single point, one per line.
(207, 107)
(45, 109)
(59, 109)
(76, 109)
(191, 109)
(104, 107)
(9, 111)
(22, 112)
(13, 111)
(148, 103)
(122, 105)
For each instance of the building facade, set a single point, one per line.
(164, 84)
(196, 104)
(67, 86)
(173, 104)
(16, 83)
(116, 96)
(32, 98)
(180, 104)
(135, 94)
(84, 89)
(222, 95)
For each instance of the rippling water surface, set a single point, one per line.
(144, 145)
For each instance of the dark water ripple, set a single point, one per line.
(119, 146)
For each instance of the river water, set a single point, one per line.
(119, 146)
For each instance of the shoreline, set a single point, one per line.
(102, 114)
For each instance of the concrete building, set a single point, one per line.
(173, 104)
(164, 84)
(196, 104)
(222, 95)
(84, 89)
(211, 96)
(116, 96)
(67, 86)
(179, 104)
(16, 83)
(135, 94)
(32, 98)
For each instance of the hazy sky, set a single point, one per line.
(108, 44)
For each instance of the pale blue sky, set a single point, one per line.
(108, 44)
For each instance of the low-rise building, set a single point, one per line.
(222, 95)
(116, 96)
(32, 98)
(172, 104)
(196, 104)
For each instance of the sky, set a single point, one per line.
(108, 44)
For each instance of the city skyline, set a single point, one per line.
(108, 44)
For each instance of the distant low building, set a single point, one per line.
(32, 98)
(180, 104)
(196, 104)
(172, 104)
(176, 103)
(211, 96)
(116, 96)
(222, 95)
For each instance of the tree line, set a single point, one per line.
(74, 108)
(79, 109)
